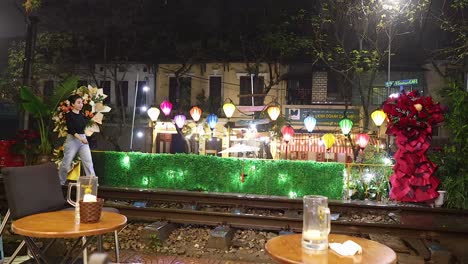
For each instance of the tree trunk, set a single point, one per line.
(31, 37)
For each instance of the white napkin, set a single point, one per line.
(348, 248)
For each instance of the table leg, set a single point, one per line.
(17, 250)
(85, 251)
(35, 250)
(116, 239)
(99, 243)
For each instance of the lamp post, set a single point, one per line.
(153, 113)
(288, 133)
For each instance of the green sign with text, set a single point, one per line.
(401, 83)
(325, 117)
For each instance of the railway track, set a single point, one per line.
(277, 213)
(282, 213)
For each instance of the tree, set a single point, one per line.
(351, 38)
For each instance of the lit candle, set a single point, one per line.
(89, 198)
(312, 234)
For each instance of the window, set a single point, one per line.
(180, 98)
(215, 98)
(338, 87)
(299, 91)
(48, 88)
(106, 85)
(246, 89)
(122, 86)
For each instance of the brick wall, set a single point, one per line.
(319, 86)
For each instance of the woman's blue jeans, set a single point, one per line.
(72, 147)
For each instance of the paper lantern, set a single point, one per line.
(362, 140)
(179, 120)
(310, 123)
(328, 139)
(153, 113)
(378, 116)
(212, 120)
(346, 125)
(166, 107)
(229, 109)
(288, 133)
(195, 113)
(274, 112)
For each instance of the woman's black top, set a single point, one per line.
(76, 123)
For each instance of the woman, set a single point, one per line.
(76, 141)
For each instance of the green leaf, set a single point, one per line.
(33, 103)
(62, 91)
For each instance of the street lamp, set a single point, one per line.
(153, 113)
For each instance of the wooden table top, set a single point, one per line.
(288, 249)
(61, 224)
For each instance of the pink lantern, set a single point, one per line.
(166, 107)
(362, 140)
(288, 133)
(195, 113)
(179, 120)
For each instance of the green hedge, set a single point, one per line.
(214, 174)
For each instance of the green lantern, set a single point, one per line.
(346, 124)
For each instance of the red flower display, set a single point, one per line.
(411, 118)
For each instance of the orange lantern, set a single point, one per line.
(195, 113)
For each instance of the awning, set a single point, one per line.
(304, 143)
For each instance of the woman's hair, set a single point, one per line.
(72, 98)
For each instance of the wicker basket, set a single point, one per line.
(90, 212)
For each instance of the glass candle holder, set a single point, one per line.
(316, 223)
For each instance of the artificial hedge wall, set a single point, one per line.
(214, 174)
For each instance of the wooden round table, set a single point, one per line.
(288, 249)
(61, 224)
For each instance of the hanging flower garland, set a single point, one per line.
(411, 118)
(93, 110)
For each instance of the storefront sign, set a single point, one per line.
(325, 117)
(402, 83)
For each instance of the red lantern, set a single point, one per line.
(195, 113)
(288, 133)
(166, 107)
(362, 140)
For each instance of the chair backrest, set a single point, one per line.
(33, 189)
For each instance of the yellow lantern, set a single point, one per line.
(328, 139)
(274, 112)
(229, 109)
(153, 113)
(378, 116)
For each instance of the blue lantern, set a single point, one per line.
(212, 120)
(310, 123)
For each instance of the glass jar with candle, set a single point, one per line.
(87, 187)
(316, 224)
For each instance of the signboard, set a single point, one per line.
(402, 83)
(325, 117)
